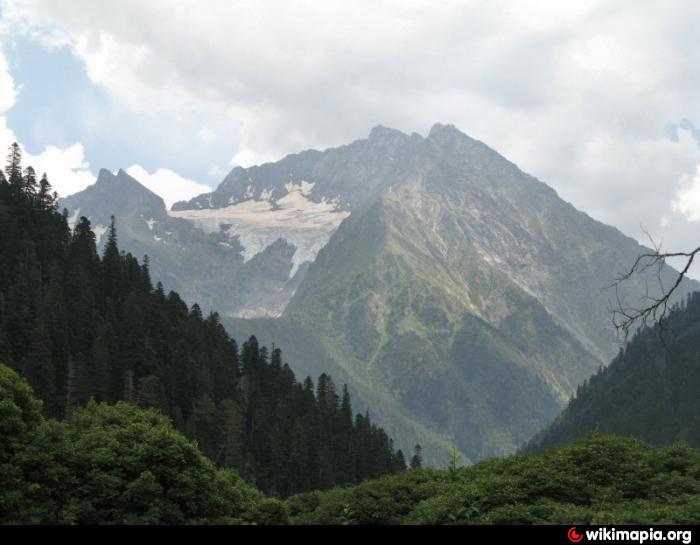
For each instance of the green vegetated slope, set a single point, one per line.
(121, 464)
(651, 390)
(398, 314)
(310, 354)
(596, 480)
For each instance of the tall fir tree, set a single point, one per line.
(417, 459)
(13, 168)
(46, 196)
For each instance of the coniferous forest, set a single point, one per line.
(649, 391)
(120, 464)
(79, 326)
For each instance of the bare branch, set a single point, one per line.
(652, 308)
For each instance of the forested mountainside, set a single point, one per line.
(81, 326)
(121, 464)
(651, 390)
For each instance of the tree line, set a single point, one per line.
(80, 326)
(112, 464)
(649, 391)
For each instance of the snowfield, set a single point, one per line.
(306, 224)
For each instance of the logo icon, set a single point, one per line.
(573, 535)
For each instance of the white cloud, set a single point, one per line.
(67, 168)
(168, 184)
(578, 95)
(687, 201)
(8, 91)
(216, 170)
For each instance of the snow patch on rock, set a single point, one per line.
(99, 230)
(73, 219)
(306, 224)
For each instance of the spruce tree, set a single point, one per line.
(46, 196)
(29, 183)
(111, 264)
(346, 409)
(13, 168)
(417, 459)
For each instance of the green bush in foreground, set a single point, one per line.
(596, 480)
(111, 464)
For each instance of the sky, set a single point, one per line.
(598, 99)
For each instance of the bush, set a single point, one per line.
(597, 480)
(112, 464)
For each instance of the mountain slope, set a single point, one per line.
(466, 296)
(204, 267)
(396, 316)
(461, 298)
(348, 175)
(650, 390)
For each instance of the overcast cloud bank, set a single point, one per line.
(580, 95)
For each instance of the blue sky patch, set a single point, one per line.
(58, 105)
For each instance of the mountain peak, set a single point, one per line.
(442, 133)
(119, 194)
(382, 134)
(379, 130)
(106, 176)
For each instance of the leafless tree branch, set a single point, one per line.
(651, 308)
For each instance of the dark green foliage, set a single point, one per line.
(597, 480)
(134, 467)
(20, 416)
(417, 459)
(649, 391)
(13, 168)
(112, 464)
(79, 326)
(122, 464)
